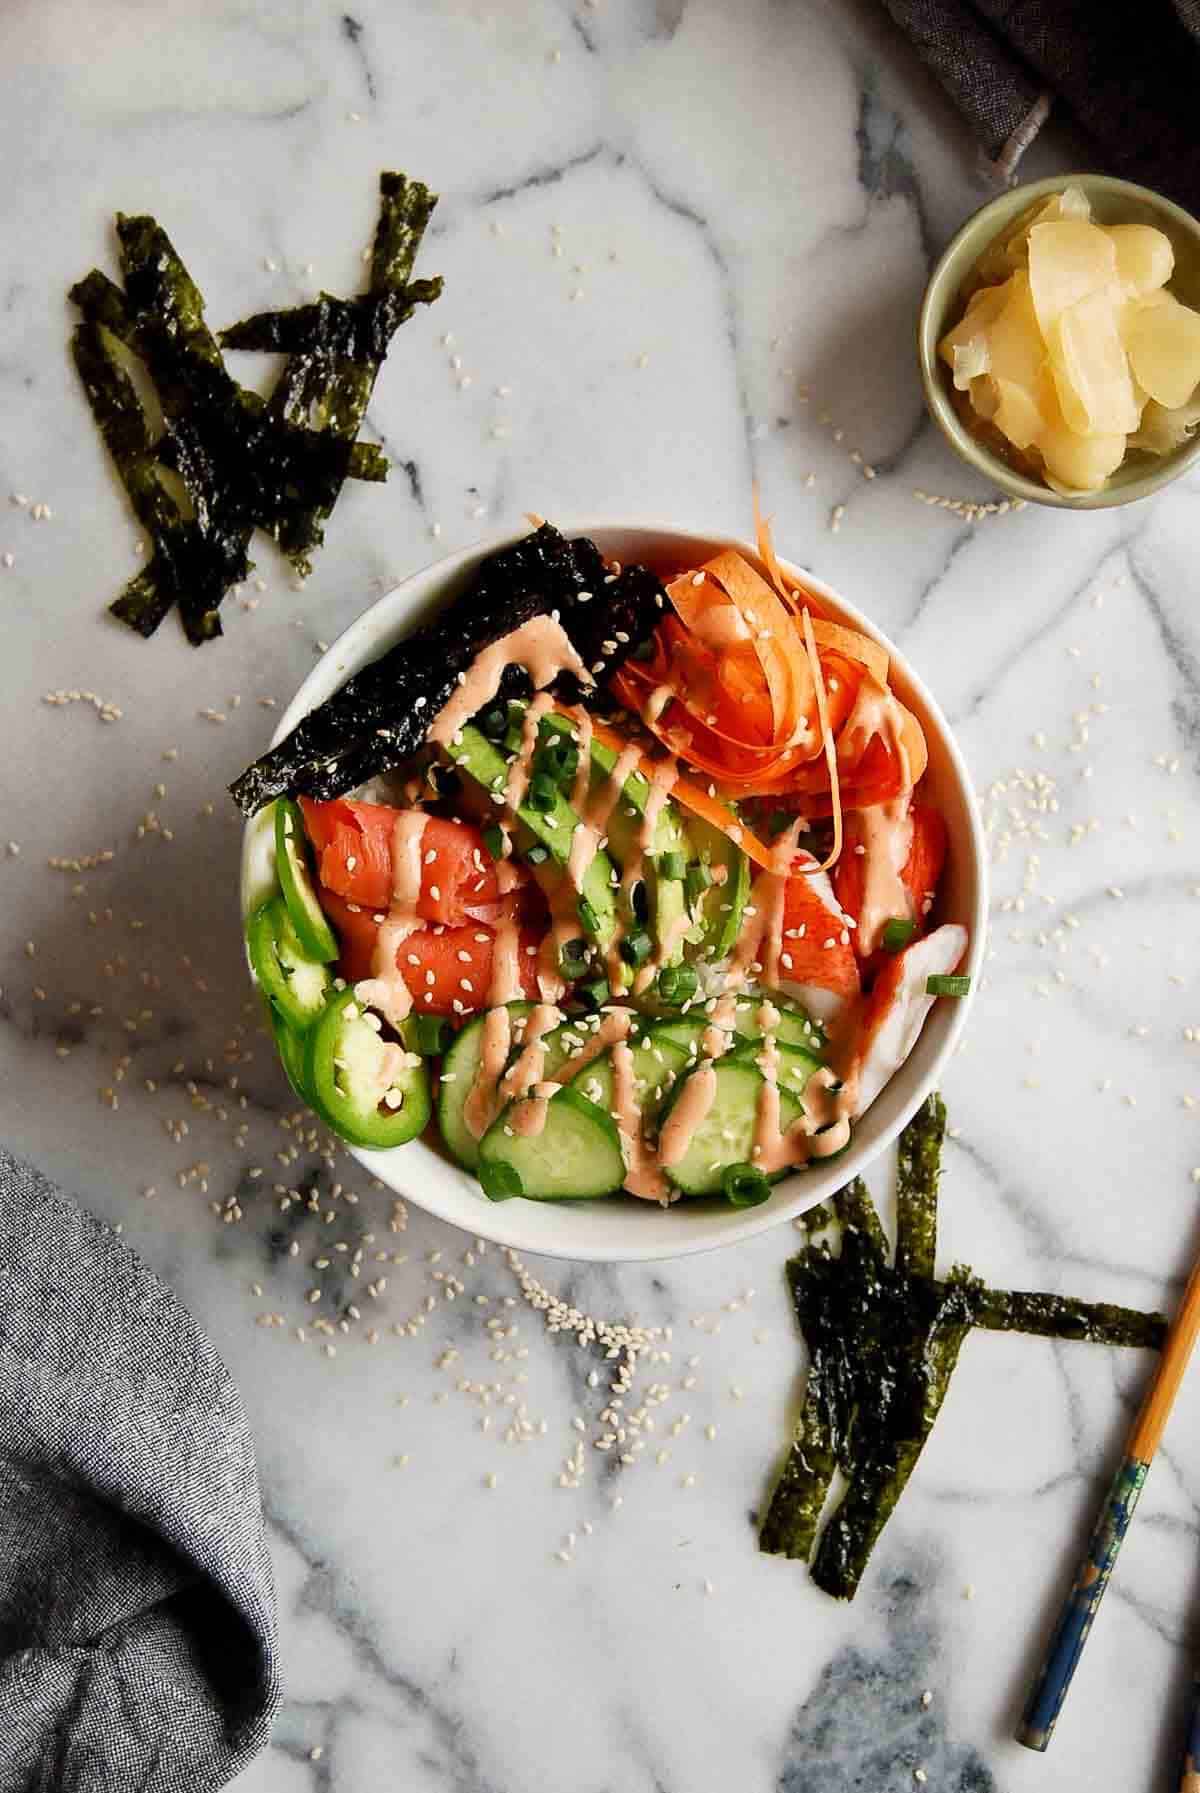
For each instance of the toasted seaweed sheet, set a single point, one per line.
(244, 462)
(374, 723)
(883, 1340)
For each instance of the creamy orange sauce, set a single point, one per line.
(643, 1173)
(528, 1118)
(483, 1102)
(886, 834)
(517, 782)
(526, 1069)
(505, 985)
(541, 646)
(386, 989)
(688, 1111)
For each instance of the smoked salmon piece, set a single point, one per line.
(353, 845)
(455, 956)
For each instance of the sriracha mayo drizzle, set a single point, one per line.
(526, 1069)
(483, 1103)
(505, 985)
(386, 989)
(517, 781)
(540, 645)
(886, 832)
(643, 1175)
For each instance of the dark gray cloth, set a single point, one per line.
(1125, 76)
(137, 1623)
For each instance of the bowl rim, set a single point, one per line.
(513, 1225)
(976, 455)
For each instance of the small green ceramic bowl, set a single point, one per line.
(1112, 202)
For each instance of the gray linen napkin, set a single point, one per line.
(137, 1623)
(1126, 77)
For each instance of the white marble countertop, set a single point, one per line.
(748, 198)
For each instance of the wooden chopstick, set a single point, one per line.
(1080, 1607)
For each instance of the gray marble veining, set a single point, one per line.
(683, 245)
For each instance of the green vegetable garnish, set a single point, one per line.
(947, 986)
(573, 960)
(500, 1181)
(494, 723)
(672, 865)
(696, 881)
(636, 948)
(587, 914)
(677, 983)
(431, 1035)
(537, 854)
(542, 794)
(559, 760)
(744, 1187)
(495, 840)
(596, 993)
(897, 933)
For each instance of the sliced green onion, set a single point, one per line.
(696, 882)
(573, 960)
(677, 983)
(431, 1035)
(947, 986)
(495, 840)
(596, 992)
(636, 948)
(559, 760)
(494, 723)
(588, 915)
(672, 866)
(500, 1181)
(537, 854)
(744, 1187)
(542, 794)
(897, 933)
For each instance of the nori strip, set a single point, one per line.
(243, 461)
(1063, 1317)
(883, 1342)
(359, 329)
(856, 1211)
(890, 1430)
(918, 1170)
(323, 386)
(373, 724)
(789, 1526)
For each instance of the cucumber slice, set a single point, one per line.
(460, 1067)
(290, 1046)
(296, 983)
(295, 880)
(577, 1155)
(657, 1066)
(726, 1134)
(350, 1087)
(795, 1068)
(794, 1027)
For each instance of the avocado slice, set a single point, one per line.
(722, 903)
(666, 901)
(487, 766)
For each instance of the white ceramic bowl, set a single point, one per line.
(620, 1228)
